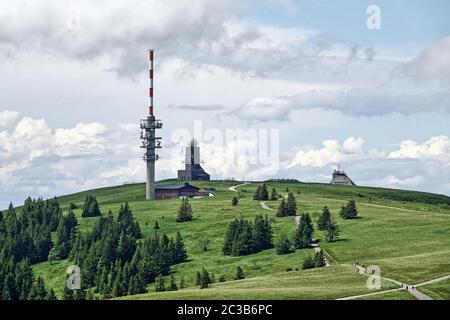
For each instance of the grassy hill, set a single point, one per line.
(406, 233)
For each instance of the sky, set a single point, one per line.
(269, 88)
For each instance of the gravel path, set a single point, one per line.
(233, 188)
(265, 206)
(412, 289)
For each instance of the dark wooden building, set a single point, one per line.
(177, 191)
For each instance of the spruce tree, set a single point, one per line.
(257, 195)
(239, 273)
(350, 211)
(180, 254)
(282, 209)
(291, 205)
(156, 227)
(185, 211)
(304, 233)
(182, 282)
(173, 284)
(324, 219)
(198, 278)
(332, 231)
(160, 285)
(234, 201)
(263, 193)
(273, 195)
(205, 279)
(319, 259)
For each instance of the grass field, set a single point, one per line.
(438, 291)
(324, 283)
(405, 233)
(397, 295)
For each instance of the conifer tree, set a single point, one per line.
(273, 195)
(173, 284)
(38, 291)
(263, 193)
(324, 219)
(304, 233)
(319, 259)
(350, 211)
(239, 273)
(160, 285)
(156, 227)
(205, 279)
(185, 211)
(332, 231)
(257, 195)
(198, 278)
(180, 254)
(182, 282)
(234, 201)
(282, 209)
(291, 205)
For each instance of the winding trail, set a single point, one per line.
(265, 206)
(233, 188)
(412, 289)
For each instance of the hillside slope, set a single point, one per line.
(403, 232)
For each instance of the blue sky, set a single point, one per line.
(411, 23)
(74, 85)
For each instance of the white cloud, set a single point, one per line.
(332, 152)
(392, 181)
(82, 139)
(432, 64)
(353, 102)
(418, 166)
(436, 147)
(6, 117)
(353, 145)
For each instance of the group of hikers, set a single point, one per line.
(357, 264)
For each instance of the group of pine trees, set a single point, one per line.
(316, 261)
(91, 207)
(287, 207)
(261, 193)
(327, 224)
(65, 237)
(114, 263)
(25, 239)
(243, 237)
(303, 237)
(204, 278)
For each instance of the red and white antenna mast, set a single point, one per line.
(150, 142)
(151, 54)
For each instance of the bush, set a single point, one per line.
(349, 211)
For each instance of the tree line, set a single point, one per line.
(243, 237)
(115, 263)
(25, 239)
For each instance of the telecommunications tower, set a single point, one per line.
(150, 142)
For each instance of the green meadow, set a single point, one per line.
(405, 233)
